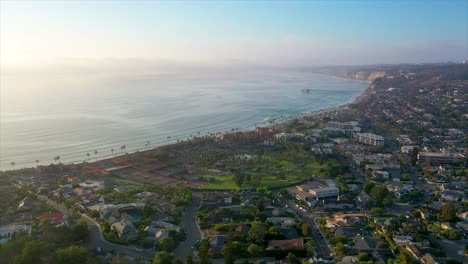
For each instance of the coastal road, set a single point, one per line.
(96, 238)
(191, 228)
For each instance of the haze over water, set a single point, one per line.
(134, 109)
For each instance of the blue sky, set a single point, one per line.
(257, 32)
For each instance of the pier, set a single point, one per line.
(321, 90)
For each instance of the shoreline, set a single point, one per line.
(169, 142)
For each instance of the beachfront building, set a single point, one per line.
(439, 158)
(341, 129)
(370, 139)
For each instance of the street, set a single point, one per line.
(322, 246)
(191, 228)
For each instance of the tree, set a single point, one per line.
(228, 253)
(163, 257)
(368, 187)
(310, 247)
(447, 213)
(255, 250)
(387, 202)
(203, 251)
(382, 244)
(454, 234)
(80, 231)
(238, 178)
(379, 193)
(71, 255)
(292, 258)
(257, 232)
(306, 229)
(377, 211)
(405, 258)
(188, 260)
(363, 256)
(414, 155)
(35, 252)
(118, 259)
(340, 249)
(166, 244)
(260, 206)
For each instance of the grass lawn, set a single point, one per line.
(226, 182)
(220, 183)
(290, 172)
(125, 181)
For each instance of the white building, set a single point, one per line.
(7, 231)
(370, 139)
(324, 192)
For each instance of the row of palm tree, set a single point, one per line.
(123, 147)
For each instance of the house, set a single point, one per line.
(429, 259)
(289, 233)
(66, 191)
(125, 230)
(338, 204)
(217, 243)
(79, 191)
(451, 196)
(94, 185)
(287, 244)
(27, 204)
(367, 244)
(380, 175)
(56, 219)
(346, 220)
(413, 250)
(282, 221)
(156, 234)
(402, 240)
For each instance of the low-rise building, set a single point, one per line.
(125, 230)
(7, 231)
(324, 192)
(370, 139)
(439, 158)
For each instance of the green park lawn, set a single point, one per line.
(291, 175)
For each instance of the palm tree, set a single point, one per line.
(95, 154)
(87, 154)
(13, 164)
(57, 158)
(112, 150)
(37, 163)
(122, 148)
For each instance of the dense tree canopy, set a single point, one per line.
(72, 255)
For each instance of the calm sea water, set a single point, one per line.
(162, 110)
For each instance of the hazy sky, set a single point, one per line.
(251, 32)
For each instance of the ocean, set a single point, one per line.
(143, 111)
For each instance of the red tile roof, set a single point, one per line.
(54, 218)
(287, 244)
